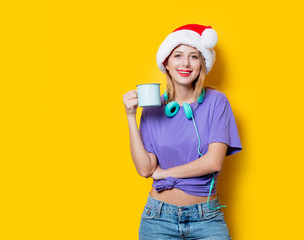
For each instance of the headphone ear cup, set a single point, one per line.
(188, 111)
(166, 95)
(202, 96)
(171, 109)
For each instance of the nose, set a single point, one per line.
(186, 62)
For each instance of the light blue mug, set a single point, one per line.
(148, 94)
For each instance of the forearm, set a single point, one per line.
(140, 156)
(201, 166)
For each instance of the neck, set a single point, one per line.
(184, 94)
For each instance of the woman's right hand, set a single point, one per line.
(130, 100)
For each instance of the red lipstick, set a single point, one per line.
(184, 73)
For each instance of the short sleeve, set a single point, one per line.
(224, 128)
(144, 131)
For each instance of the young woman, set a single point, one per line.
(182, 143)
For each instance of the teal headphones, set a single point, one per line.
(172, 109)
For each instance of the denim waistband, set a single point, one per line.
(187, 208)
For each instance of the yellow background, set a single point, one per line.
(66, 170)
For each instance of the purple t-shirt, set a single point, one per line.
(174, 140)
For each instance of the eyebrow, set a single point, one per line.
(183, 52)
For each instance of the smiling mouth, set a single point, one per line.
(184, 73)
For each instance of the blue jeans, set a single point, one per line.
(161, 220)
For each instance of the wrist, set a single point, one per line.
(164, 174)
(131, 116)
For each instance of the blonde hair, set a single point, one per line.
(198, 83)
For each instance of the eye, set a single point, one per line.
(177, 55)
(194, 57)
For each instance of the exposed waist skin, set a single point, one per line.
(178, 197)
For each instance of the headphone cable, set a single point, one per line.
(212, 181)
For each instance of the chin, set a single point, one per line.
(185, 83)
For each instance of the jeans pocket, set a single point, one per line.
(212, 213)
(149, 212)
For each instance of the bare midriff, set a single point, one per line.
(178, 197)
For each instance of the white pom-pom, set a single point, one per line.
(209, 38)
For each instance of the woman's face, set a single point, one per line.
(184, 65)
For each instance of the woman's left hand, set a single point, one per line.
(158, 173)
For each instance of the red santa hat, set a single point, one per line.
(203, 38)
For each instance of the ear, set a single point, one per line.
(165, 63)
